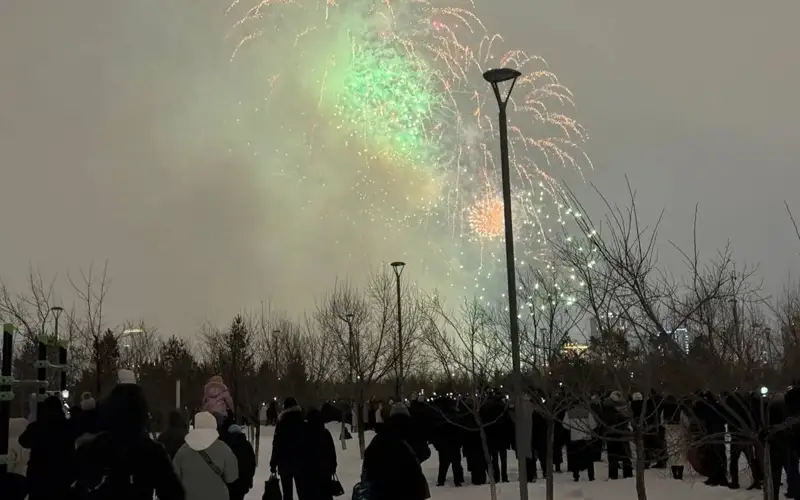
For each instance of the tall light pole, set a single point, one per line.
(398, 270)
(62, 353)
(495, 77)
(349, 319)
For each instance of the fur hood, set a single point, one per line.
(215, 387)
(204, 433)
(236, 429)
(616, 398)
(294, 409)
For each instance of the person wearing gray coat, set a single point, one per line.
(205, 465)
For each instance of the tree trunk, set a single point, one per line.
(343, 433)
(258, 439)
(487, 456)
(768, 487)
(549, 445)
(98, 369)
(641, 488)
(362, 443)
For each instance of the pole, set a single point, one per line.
(6, 392)
(351, 354)
(62, 356)
(41, 370)
(399, 388)
(178, 394)
(350, 359)
(516, 376)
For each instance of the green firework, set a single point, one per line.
(389, 99)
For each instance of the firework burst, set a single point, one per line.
(395, 86)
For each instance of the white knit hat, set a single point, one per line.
(87, 402)
(126, 377)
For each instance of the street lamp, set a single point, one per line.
(128, 332)
(495, 77)
(398, 270)
(349, 320)
(56, 310)
(62, 354)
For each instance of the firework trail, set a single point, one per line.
(395, 87)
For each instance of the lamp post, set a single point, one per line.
(495, 77)
(349, 319)
(62, 353)
(398, 270)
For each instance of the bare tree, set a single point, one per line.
(319, 355)
(623, 283)
(30, 310)
(360, 325)
(90, 323)
(462, 343)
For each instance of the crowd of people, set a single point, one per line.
(105, 451)
(675, 432)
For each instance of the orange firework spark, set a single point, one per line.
(486, 218)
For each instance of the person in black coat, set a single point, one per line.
(172, 437)
(233, 435)
(121, 458)
(495, 420)
(391, 468)
(51, 440)
(319, 466)
(711, 417)
(446, 438)
(287, 450)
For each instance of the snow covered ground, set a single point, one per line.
(659, 485)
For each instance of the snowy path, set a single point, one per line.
(659, 486)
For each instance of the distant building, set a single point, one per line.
(574, 347)
(682, 338)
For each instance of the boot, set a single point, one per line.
(674, 472)
(680, 472)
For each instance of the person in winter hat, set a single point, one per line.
(206, 465)
(390, 466)
(320, 464)
(616, 420)
(121, 461)
(85, 419)
(125, 376)
(217, 398)
(173, 437)
(580, 423)
(51, 444)
(87, 402)
(288, 454)
(234, 436)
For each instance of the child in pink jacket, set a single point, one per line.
(216, 397)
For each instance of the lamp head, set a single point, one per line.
(348, 318)
(398, 267)
(57, 309)
(500, 75)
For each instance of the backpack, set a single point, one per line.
(102, 476)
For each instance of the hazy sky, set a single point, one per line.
(118, 141)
